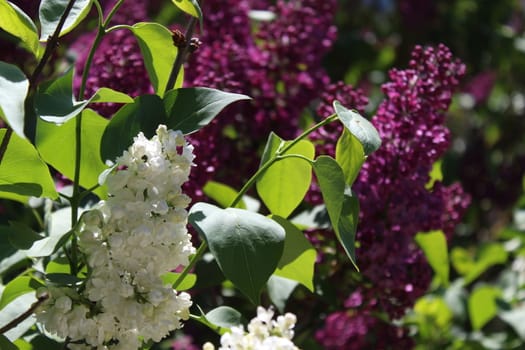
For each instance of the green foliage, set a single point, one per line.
(342, 206)
(223, 194)
(17, 287)
(434, 245)
(224, 317)
(15, 22)
(472, 267)
(50, 135)
(284, 184)
(51, 11)
(13, 90)
(190, 109)
(158, 51)
(23, 172)
(187, 283)
(482, 306)
(240, 240)
(189, 6)
(298, 259)
(361, 128)
(350, 155)
(144, 114)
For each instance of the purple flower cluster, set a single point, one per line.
(278, 64)
(395, 202)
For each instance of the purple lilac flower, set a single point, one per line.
(395, 204)
(279, 65)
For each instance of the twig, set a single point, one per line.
(182, 53)
(25, 315)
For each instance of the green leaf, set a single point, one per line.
(224, 317)
(23, 172)
(5, 344)
(109, 95)
(13, 90)
(158, 51)
(472, 267)
(58, 265)
(246, 245)
(342, 206)
(482, 306)
(434, 245)
(59, 231)
(144, 114)
(15, 22)
(279, 290)
(361, 128)
(17, 287)
(350, 155)
(436, 174)
(51, 11)
(298, 260)
(190, 109)
(56, 144)
(191, 7)
(222, 194)
(54, 100)
(21, 236)
(284, 184)
(187, 283)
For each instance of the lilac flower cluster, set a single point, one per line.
(395, 202)
(278, 64)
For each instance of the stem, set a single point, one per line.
(52, 43)
(182, 53)
(194, 259)
(76, 197)
(5, 142)
(25, 315)
(280, 155)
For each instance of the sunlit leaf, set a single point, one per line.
(350, 155)
(13, 90)
(223, 194)
(15, 22)
(191, 7)
(57, 145)
(158, 52)
(434, 245)
(360, 127)
(23, 172)
(17, 287)
(284, 184)
(51, 11)
(482, 306)
(298, 260)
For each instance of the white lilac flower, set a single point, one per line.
(130, 240)
(264, 333)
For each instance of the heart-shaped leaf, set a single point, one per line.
(246, 245)
(284, 184)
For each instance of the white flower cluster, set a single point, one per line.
(130, 241)
(264, 333)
